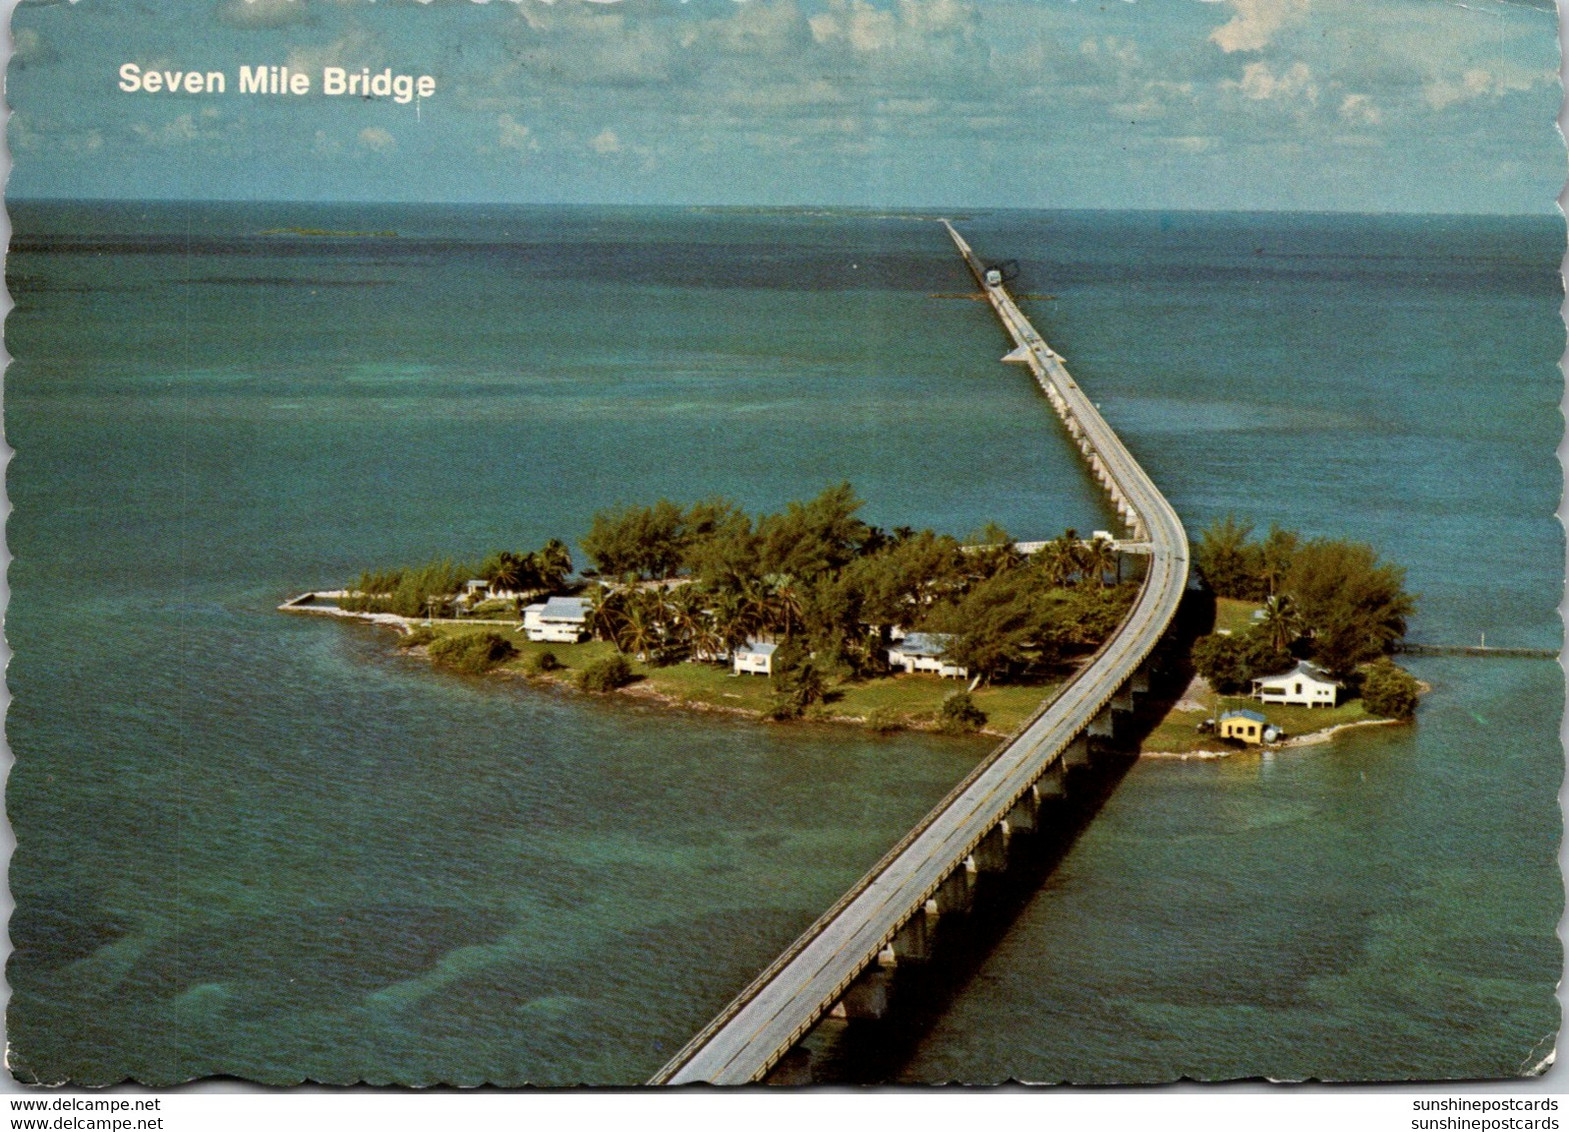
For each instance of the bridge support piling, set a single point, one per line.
(913, 942)
(793, 1069)
(957, 892)
(1023, 817)
(1054, 783)
(1123, 700)
(991, 855)
(1077, 752)
(1140, 680)
(868, 996)
(1101, 726)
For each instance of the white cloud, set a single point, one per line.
(1475, 83)
(180, 130)
(1193, 143)
(605, 142)
(353, 50)
(515, 135)
(1260, 83)
(377, 140)
(1254, 23)
(262, 13)
(1360, 110)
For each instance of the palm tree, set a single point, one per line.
(698, 615)
(553, 563)
(1060, 558)
(639, 632)
(1282, 622)
(734, 620)
(509, 574)
(606, 611)
(782, 602)
(1099, 559)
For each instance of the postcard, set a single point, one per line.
(795, 541)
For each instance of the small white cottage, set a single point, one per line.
(1306, 684)
(755, 657)
(563, 620)
(922, 652)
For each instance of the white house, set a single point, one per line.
(560, 619)
(922, 652)
(1305, 684)
(756, 657)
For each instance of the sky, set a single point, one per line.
(1358, 105)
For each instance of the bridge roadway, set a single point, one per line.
(788, 998)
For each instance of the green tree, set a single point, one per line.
(606, 674)
(1229, 564)
(504, 571)
(606, 611)
(1099, 559)
(1087, 615)
(720, 549)
(1223, 661)
(640, 631)
(1232, 663)
(781, 603)
(797, 681)
(1281, 622)
(1275, 556)
(644, 541)
(993, 628)
(906, 577)
(1389, 690)
(990, 552)
(1353, 606)
(553, 564)
(733, 618)
(1060, 559)
(472, 653)
(810, 539)
(958, 715)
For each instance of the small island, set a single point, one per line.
(806, 613)
(1296, 647)
(811, 613)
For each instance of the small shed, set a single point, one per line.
(754, 657)
(1248, 726)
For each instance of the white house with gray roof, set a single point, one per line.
(563, 620)
(1306, 684)
(922, 652)
(754, 657)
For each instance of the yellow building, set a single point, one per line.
(1249, 726)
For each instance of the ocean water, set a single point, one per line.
(261, 845)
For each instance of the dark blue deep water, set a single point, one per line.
(260, 845)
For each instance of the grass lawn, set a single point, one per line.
(1233, 615)
(914, 698)
(1178, 731)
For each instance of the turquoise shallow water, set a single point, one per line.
(260, 845)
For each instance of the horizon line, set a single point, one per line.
(910, 211)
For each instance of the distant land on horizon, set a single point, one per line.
(892, 211)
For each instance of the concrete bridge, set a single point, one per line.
(840, 964)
